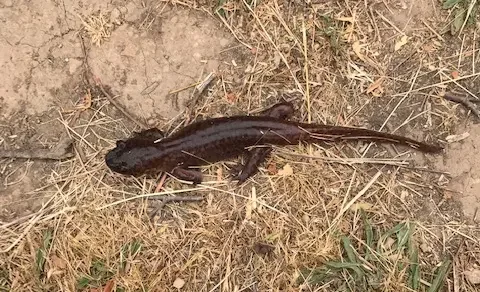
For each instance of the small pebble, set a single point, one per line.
(115, 16)
(151, 122)
(179, 283)
(224, 42)
(425, 248)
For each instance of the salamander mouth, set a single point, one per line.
(115, 163)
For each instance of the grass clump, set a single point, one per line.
(378, 263)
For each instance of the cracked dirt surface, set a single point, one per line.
(145, 56)
(144, 66)
(141, 65)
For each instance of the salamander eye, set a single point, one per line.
(121, 144)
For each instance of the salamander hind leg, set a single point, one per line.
(190, 175)
(257, 156)
(281, 110)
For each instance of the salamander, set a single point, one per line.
(217, 139)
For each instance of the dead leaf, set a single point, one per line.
(286, 170)
(53, 272)
(403, 195)
(399, 44)
(447, 196)
(346, 19)
(277, 58)
(272, 168)
(389, 242)
(178, 283)
(57, 266)
(231, 97)
(376, 88)
(357, 49)
(457, 138)
(109, 286)
(473, 276)
(248, 211)
(455, 74)
(429, 47)
(361, 206)
(58, 263)
(395, 257)
(263, 248)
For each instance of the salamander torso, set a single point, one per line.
(218, 139)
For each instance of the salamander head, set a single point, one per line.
(130, 158)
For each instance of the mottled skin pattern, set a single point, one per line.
(218, 139)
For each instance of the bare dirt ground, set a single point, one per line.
(328, 217)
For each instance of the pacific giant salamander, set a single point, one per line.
(216, 139)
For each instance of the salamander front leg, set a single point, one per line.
(255, 157)
(190, 175)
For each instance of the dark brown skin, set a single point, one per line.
(218, 139)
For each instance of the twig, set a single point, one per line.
(391, 23)
(352, 201)
(161, 183)
(150, 88)
(406, 94)
(63, 150)
(199, 88)
(459, 85)
(86, 69)
(434, 31)
(465, 101)
(469, 12)
(120, 108)
(202, 85)
(307, 87)
(146, 196)
(437, 84)
(168, 199)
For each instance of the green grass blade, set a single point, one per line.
(458, 20)
(129, 251)
(315, 276)
(347, 245)
(368, 235)
(414, 277)
(440, 277)
(395, 230)
(41, 255)
(349, 266)
(450, 3)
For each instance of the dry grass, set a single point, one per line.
(277, 232)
